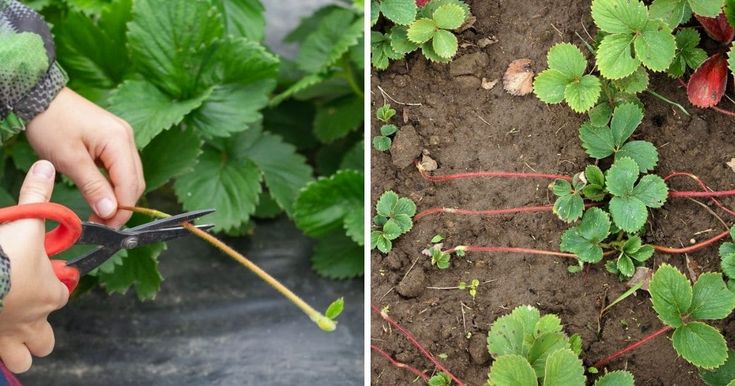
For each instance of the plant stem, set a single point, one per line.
(349, 75)
(663, 98)
(415, 342)
(490, 212)
(702, 185)
(722, 193)
(692, 248)
(617, 354)
(400, 365)
(475, 248)
(499, 174)
(723, 111)
(322, 321)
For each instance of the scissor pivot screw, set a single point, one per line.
(130, 242)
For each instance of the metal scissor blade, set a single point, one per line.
(100, 255)
(88, 262)
(175, 220)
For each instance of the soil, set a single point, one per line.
(464, 128)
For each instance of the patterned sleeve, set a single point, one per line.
(30, 77)
(4, 276)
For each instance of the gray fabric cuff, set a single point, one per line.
(4, 276)
(38, 100)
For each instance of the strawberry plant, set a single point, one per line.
(384, 114)
(425, 25)
(214, 122)
(530, 349)
(394, 217)
(684, 308)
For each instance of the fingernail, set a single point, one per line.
(43, 169)
(105, 207)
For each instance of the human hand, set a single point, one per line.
(34, 289)
(76, 136)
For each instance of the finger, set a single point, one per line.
(42, 342)
(38, 184)
(15, 356)
(94, 187)
(124, 174)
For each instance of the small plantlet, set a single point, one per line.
(433, 31)
(632, 38)
(727, 260)
(688, 54)
(394, 218)
(440, 259)
(565, 79)
(684, 308)
(437, 239)
(383, 141)
(471, 288)
(603, 140)
(530, 349)
(440, 379)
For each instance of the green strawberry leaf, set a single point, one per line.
(513, 333)
(139, 269)
(711, 299)
(619, 16)
(708, 8)
(626, 118)
(582, 94)
(449, 16)
(550, 85)
(688, 54)
(655, 46)
(594, 175)
(672, 12)
(421, 31)
(584, 239)
(335, 308)
(169, 155)
(323, 48)
(700, 344)
(231, 188)
(597, 141)
(671, 295)
(387, 130)
(512, 370)
(148, 110)
(547, 324)
(382, 143)
(326, 204)
(643, 153)
(337, 118)
(245, 18)
(652, 191)
(444, 44)
(171, 60)
(567, 59)
(399, 41)
(634, 83)
(727, 256)
(336, 256)
(628, 213)
(543, 346)
(386, 203)
(401, 12)
(621, 177)
(614, 56)
(564, 368)
(616, 378)
(721, 376)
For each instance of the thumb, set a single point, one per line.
(38, 184)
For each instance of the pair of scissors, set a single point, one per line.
(71, 231)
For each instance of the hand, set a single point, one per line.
(34, 289)
(76, 135)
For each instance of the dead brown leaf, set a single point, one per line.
(642, 275)
(484, 42)
(489, 84)
(428, 163)
(731, 164)
(693, 268)
(518, 78)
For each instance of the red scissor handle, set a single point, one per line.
(61, 238)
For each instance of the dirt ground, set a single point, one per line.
(465, 128)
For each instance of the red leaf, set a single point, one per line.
(421, 3)
(707, 85)
(717, 28)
